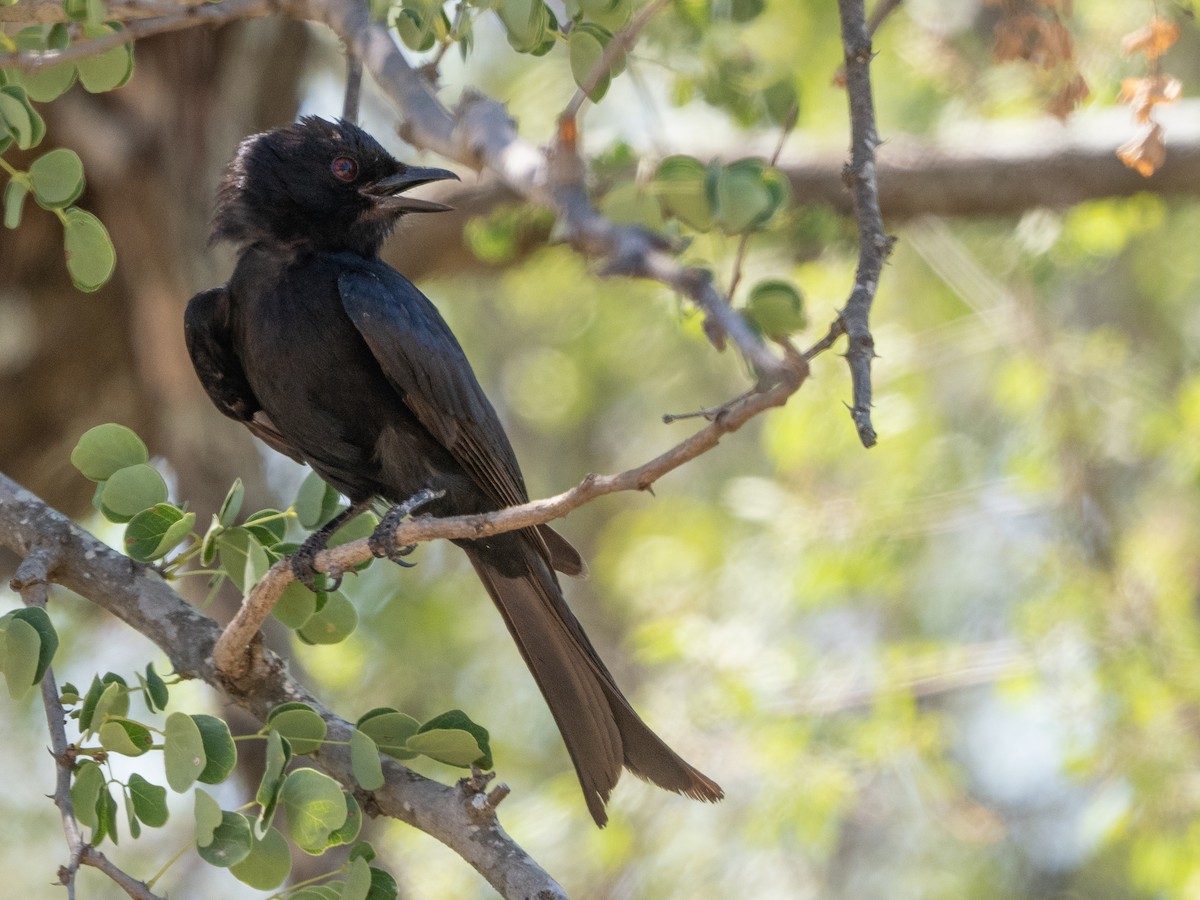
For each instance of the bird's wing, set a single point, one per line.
(209, 342)
(423, 361)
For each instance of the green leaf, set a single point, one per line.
(315, 808)
(208, 815)
(358, 881)
(295, 605)
(586, 45)
(91, 258)
(105, 449)
(776, 308)
(300, 724)
(525, 23)
(17, 117)
(131, 819)
(448, 745)
(37, 617)
(360, 526)
(416, 31)
(268, 864)
(156, 688)
(317, 892)
(85, 793)
(349, 829)
(50, 83)
(334, 622)
(745, 195)
(383, 886)
(390, 730)
(362, 850)
(114, 701)
(231, 841)
(57, 178)
(183, 751)
(316, 502)
(22, 648)
(133, 489)
(108, 70)
(232, 504)
(681, 185)
(125, 737)
(220, 751)
(155, 532)
(277, 755)
(269, 533)
(106, 813)
(208, 545)
(14, 202)
(149, 801)
(364, 761)
(457, 719)
(242, 557)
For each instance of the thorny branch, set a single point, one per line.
(32, 582)
(873, 245)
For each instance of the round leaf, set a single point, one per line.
(57, 178)
(208, 815)
(334, 623)
(358, 881)
(90, 254)
(16, 116)
(183, 751)
(133, 489)
(149, 801)
(383, 886)
(390, 731)
(316, 502)
(22, 646)
(303, 728)
(364, 761)
(681, 186)
(156, 531)
(267, 865)
(230, 842)
(456, 718)
(220, 750)
(742, 198)
(315, 809)
(448, 745)
(50, 83)
(776, 308)
(126, 738)
(586, 48)
(37, 617)
(349, 829)
(103, 450)
(108, 70)
(295, 605)
(85, 792)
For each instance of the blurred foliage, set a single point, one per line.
(965, 663)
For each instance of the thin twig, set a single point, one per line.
(234, 652)
(353, 88)
(874, 245)
(32, 581)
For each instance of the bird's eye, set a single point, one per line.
(344, 168)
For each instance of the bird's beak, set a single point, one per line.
(386, 191)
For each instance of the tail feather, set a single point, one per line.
(599, 727)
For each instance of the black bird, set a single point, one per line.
(332, 357)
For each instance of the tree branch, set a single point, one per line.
(32, 582)
(137, 595)
(874, 246)
(235, 652)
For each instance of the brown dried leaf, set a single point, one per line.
(1071, 96)
(1153, 40)
(1146, 152)
(1143, 94)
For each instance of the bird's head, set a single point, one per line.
(318, 185)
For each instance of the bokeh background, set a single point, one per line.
(964, 663)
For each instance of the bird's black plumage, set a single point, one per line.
(335, 359)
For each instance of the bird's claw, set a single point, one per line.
(383, 539)
(305, 571)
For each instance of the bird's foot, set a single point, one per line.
(383, 539)
(304, 564)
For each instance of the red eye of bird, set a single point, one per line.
(344, 168)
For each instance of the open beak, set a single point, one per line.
(386, 192)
